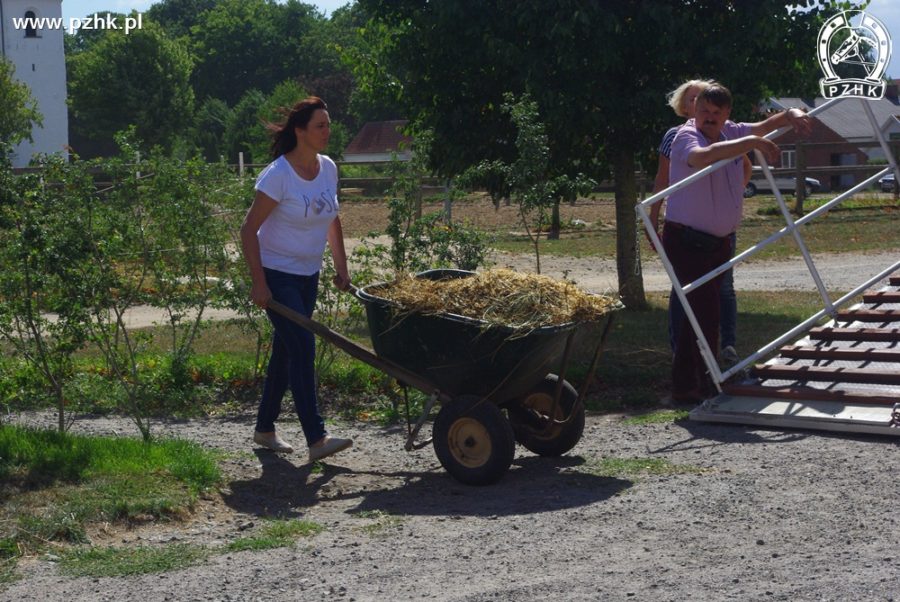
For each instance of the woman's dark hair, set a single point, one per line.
(284, 139)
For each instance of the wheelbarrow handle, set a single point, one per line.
(357, 351)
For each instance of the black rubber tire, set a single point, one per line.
(749, 190)
(529, 413)
(473, 440)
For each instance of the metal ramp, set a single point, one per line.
(843, 376)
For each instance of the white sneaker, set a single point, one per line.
(327, 447)
(272, 441)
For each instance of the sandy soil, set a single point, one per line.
(751, 515)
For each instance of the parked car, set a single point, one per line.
(887, 183)
(759, 183)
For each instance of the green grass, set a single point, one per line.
(124, 562)
(634, 370)
(865, 228)
(276, 534)
(55, 485)
(768, 205)
(127, 561)
(636, 467)
(378, 522)
(658, 417)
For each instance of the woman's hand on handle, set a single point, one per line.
(260, 294)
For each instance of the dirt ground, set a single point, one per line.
(740, 514)
(359, 217)
(735, 513)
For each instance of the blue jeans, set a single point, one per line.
(292, 362)
(727, 309)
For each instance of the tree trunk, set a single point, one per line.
(628, 259)
(555, 226)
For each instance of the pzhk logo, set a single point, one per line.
(854, 51)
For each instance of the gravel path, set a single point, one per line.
(839, 271)
(749, 515)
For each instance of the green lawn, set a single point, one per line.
(868, 228)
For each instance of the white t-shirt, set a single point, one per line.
(292, 239)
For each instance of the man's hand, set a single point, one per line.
(769, 149)
(800, 121)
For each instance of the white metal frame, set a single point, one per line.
(792, 227)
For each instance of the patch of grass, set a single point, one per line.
(123, 562)
(632, 467)
(379, 522)
(53, 485)
(769, 205)
(661, 417)
(634, 371)
(863, 227)
(352, 376)
(9, 552)
(40, 456)
(276, 534)
(8, 572)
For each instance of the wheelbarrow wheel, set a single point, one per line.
(473, 440)
(529, 417)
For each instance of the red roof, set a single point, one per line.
(379, 137)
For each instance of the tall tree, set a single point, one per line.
(177, 17)
(142, 78)
(244, 44)
(599, 72)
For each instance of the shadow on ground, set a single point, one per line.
(532, 485)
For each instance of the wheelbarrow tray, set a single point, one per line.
(461, 355)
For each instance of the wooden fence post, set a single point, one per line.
(800, 183)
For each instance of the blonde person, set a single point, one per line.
(294, 213)
(683, 101)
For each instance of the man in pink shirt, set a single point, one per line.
(701, 217)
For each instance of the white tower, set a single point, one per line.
(38, 56)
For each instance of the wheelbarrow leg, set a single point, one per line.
(411, 439)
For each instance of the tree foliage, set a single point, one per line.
(140, 79)
(19, 108)
(528, 179)
(244, 44)
(598, 71)
(76, 260)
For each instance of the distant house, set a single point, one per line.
(842, 135)
(378, 142)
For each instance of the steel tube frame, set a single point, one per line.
(792, 227)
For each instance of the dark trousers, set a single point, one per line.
(292, 362)
(727, 308)
(688, 369)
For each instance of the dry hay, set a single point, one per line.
(499, 297)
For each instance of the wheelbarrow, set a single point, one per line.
(494, 384)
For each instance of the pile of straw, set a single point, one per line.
(499, 297)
